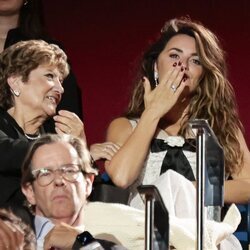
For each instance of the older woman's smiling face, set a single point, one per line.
(42, 92)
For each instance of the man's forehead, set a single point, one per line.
(54, 153)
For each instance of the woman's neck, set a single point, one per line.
(30, 124)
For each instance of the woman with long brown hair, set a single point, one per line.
(182, 77)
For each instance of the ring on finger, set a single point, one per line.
(173, 87)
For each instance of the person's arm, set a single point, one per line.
(126, 165)
(63, 236)
(12, 153)
(238, 189)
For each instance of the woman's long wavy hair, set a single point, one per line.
(214, 98)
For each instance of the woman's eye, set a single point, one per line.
(196, 61)
(50, 76)
(174, 56)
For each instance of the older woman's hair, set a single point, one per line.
(16, 222)
(78, 144)
(23, 57)
(214, 99)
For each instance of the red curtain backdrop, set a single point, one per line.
(104, 40)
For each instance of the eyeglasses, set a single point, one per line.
(69, 172)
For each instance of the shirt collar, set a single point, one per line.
(43, 226)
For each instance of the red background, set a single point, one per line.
(103, 40)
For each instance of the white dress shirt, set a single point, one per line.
(43, 226)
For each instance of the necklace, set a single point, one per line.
(32, 137)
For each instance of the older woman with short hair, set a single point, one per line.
(31, 73)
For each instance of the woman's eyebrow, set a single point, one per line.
(181, 51)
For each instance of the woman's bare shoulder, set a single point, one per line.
(119, 130)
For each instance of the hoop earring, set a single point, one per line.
(156, 78)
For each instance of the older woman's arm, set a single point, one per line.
(12, 153)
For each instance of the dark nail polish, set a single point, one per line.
(179, 63)
(182, 69)
(174, 65)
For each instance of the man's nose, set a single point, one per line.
(58, 179)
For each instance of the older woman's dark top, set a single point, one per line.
(13, 148)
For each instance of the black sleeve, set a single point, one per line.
(12, 153)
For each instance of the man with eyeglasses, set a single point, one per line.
(56, 180)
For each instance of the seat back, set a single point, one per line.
(243, 230)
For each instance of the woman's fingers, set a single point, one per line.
(169, 75)
(104, 150)
(69, 123)
(146, 84)
(162, 98)
(174, 76)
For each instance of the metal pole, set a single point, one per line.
(200, 187)
(209, 175)
(149, 220)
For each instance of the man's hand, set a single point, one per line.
(62, 236)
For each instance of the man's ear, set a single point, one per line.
(89, 178)
(29, 193)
